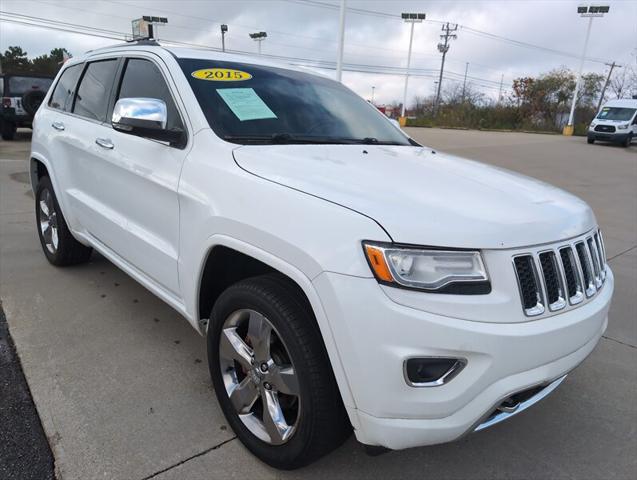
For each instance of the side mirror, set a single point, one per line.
(145, 117)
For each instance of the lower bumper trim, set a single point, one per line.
(502, 414)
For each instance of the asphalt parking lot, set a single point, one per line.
(121, 384)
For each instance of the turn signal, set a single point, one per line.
(377, 261)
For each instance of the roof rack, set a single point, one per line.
(141, 41)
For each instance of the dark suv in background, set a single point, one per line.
(21, 95)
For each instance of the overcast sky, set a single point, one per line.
(308, 29)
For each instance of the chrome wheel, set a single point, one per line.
(48, 221)
(259, 376)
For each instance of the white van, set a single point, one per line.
(616, 122)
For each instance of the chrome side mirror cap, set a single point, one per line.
(145, 117)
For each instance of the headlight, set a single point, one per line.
(623, 127)
(432, 270)
(592, 125)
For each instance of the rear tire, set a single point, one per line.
(58, 244)
(314, 421)
(7, 130)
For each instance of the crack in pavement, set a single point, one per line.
(196, 455)
(619, 341)
(621, 253)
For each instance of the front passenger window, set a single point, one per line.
(143, 79)
(95, 89)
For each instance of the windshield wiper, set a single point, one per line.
(287, 138)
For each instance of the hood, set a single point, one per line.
(426, 198)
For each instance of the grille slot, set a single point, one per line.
(571, 274)
(529, 285)
(552, 281)
(600, 255)
(585, 264)
(594, 256)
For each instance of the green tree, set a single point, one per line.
(15, 60)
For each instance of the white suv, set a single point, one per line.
(345, 276)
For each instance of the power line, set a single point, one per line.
(475, 31)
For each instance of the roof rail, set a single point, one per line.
(142, 41)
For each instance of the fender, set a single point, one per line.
(304, 283)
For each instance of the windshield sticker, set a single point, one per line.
(245, 103)
(221, 75)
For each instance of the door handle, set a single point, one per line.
(105, 143)
(58, 126)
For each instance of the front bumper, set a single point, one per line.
(374, 335)
(608, 137)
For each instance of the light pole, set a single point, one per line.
(373, 88)
(224, 29)
(259, 37)
(412, 18)
(341, 41)
(590, 12)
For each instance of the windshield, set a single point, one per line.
(20, 85)
(248, 104)
(616, 113)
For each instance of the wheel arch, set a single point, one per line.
(222, 249)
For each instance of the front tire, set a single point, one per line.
(590, 140)
(272, 375)
(7, 130)
(59, 246)
(629, 139)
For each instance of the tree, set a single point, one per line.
(51, 63)
(15, 60)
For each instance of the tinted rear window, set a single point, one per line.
(18, 86)
(94, 90)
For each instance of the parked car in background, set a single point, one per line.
(345, 276)
(21, 95)
(616, 122)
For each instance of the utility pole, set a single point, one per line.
(501, 85)
(610, 72)
(341, 42)
(444, 48)
(224, 29)
(412, 18)
(464, 83)
(590, 12)
(373, 88)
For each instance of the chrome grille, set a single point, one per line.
(555, 278)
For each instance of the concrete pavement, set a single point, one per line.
(121, 384)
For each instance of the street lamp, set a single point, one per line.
(412, 18)
(590, 12)
(224, 30)
(259, 37)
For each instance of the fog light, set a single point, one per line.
(431, 371)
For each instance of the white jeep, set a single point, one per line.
(346, 277)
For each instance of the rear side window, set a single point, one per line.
(94, 90)
(62, 95)
(143, 79)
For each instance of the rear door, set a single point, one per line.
(129, 183)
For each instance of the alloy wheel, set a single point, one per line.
(259, 376)
(48, 221)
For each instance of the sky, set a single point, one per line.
(499, 39)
